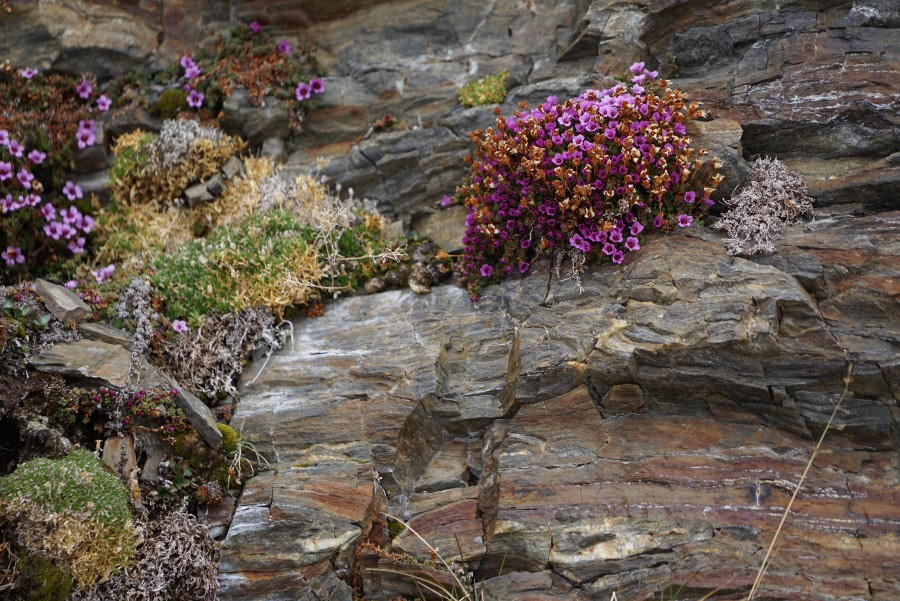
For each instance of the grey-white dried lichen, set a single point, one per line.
(774, 198)
(176, 138)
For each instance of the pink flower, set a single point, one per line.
(636, 228)
(690, 196)
(618, 257)
(87, 125)
(186, 61)
(15, 148)
(77, 247)
(632, 243)
(84, 89)
(103, 273)
(72, 191)
(54, 230)
(48, 211)
(302, 92)
(28, 73)
(254, 27)
(180, 326)
(71, 284)
(32, 200)
(317, 85)
(195, 99)
(25, 179)
(6, 204)
(446, 201)
(4, 137)
(615, 236)
(6, 171)
(636, 67)
(684, 220)
(13, 255)
(192, 71)
(36, 156)
(486, 270)
(658, 221)
(103, 103)
(85, 138)
(284, 47)
(524, 266)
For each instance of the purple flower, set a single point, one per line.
(708, 202)
(72, 191)
(48, 211)
(690, 196)
(446, 201)
(84, 89)
(658, 221)
(71, 284)
(13, 255)
(4, 137)
(684, 220)
(85, 138)
(303, 91)
(580, 243)
(87, 125)
(195, 99)
(615, 235)
(28, 73)
(636, 228)
(186, 61)
(192, 71)
(180, 326)
(54, 230)
(6, 171)
(32, 200)
(632, 243)
(680, 129)
(618, 257)
(284, 47)
(526, 243)
(15, 148)
(36, 156)
(25, 179)
(103, 273)
(608, 248)
(637, 89)
(523, 266)
(637, 67)
(254, 27)
(77, 247)
(317, 85)
(486, 270)
(103, 103)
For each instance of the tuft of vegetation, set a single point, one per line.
(171, 102)
(42, 579)
(487, 90)
(73, 512)
(773, 199)
(583, 179)
(229, 438)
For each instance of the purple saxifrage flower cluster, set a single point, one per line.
(587, 177)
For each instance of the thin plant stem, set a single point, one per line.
(766, 560)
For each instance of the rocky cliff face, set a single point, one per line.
(647, 431)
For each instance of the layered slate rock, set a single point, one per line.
(646, 428)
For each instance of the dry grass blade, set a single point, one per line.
(766, 562)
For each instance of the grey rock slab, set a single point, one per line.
(106, 333)
(62, 302)
(86, 360)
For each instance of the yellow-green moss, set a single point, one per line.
(395, 528)
(48, 582)
(170, 103)
(229, 438)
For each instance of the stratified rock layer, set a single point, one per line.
(648, 430)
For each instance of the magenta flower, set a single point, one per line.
(48, 211)
(54, 230)
(71, 284)
(180, 326)
(486, 270)
(6, 171)
(76, 247)
(72, 191)
(636, 228)
(13, 255)
(580, 243)
(32, 200)
(103, 273)
(284, 47)
(690, 196)
(317, 85)
(36, 156)
(87, 125)
(446, 201)
(618, 257)
(192, 71)
(684, 220)
(84, 89)
(186, 61)
(15, 148)
(302, 92)
(195, 99)
(658, 221)
(526, 243)
(4, 137)
(28, 73)
(103, 103)
(6, 204)
(254, 27)
(632, 243)
(636, 67)
(524, 266)
(615, 235)
(708, 202)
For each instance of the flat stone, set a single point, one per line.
(196, 195)
(622, 399)
(196, 411)
(106, 333)
(87, 360)
(62, 302)
(216, 185)
(232, 167)
(444, 227)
